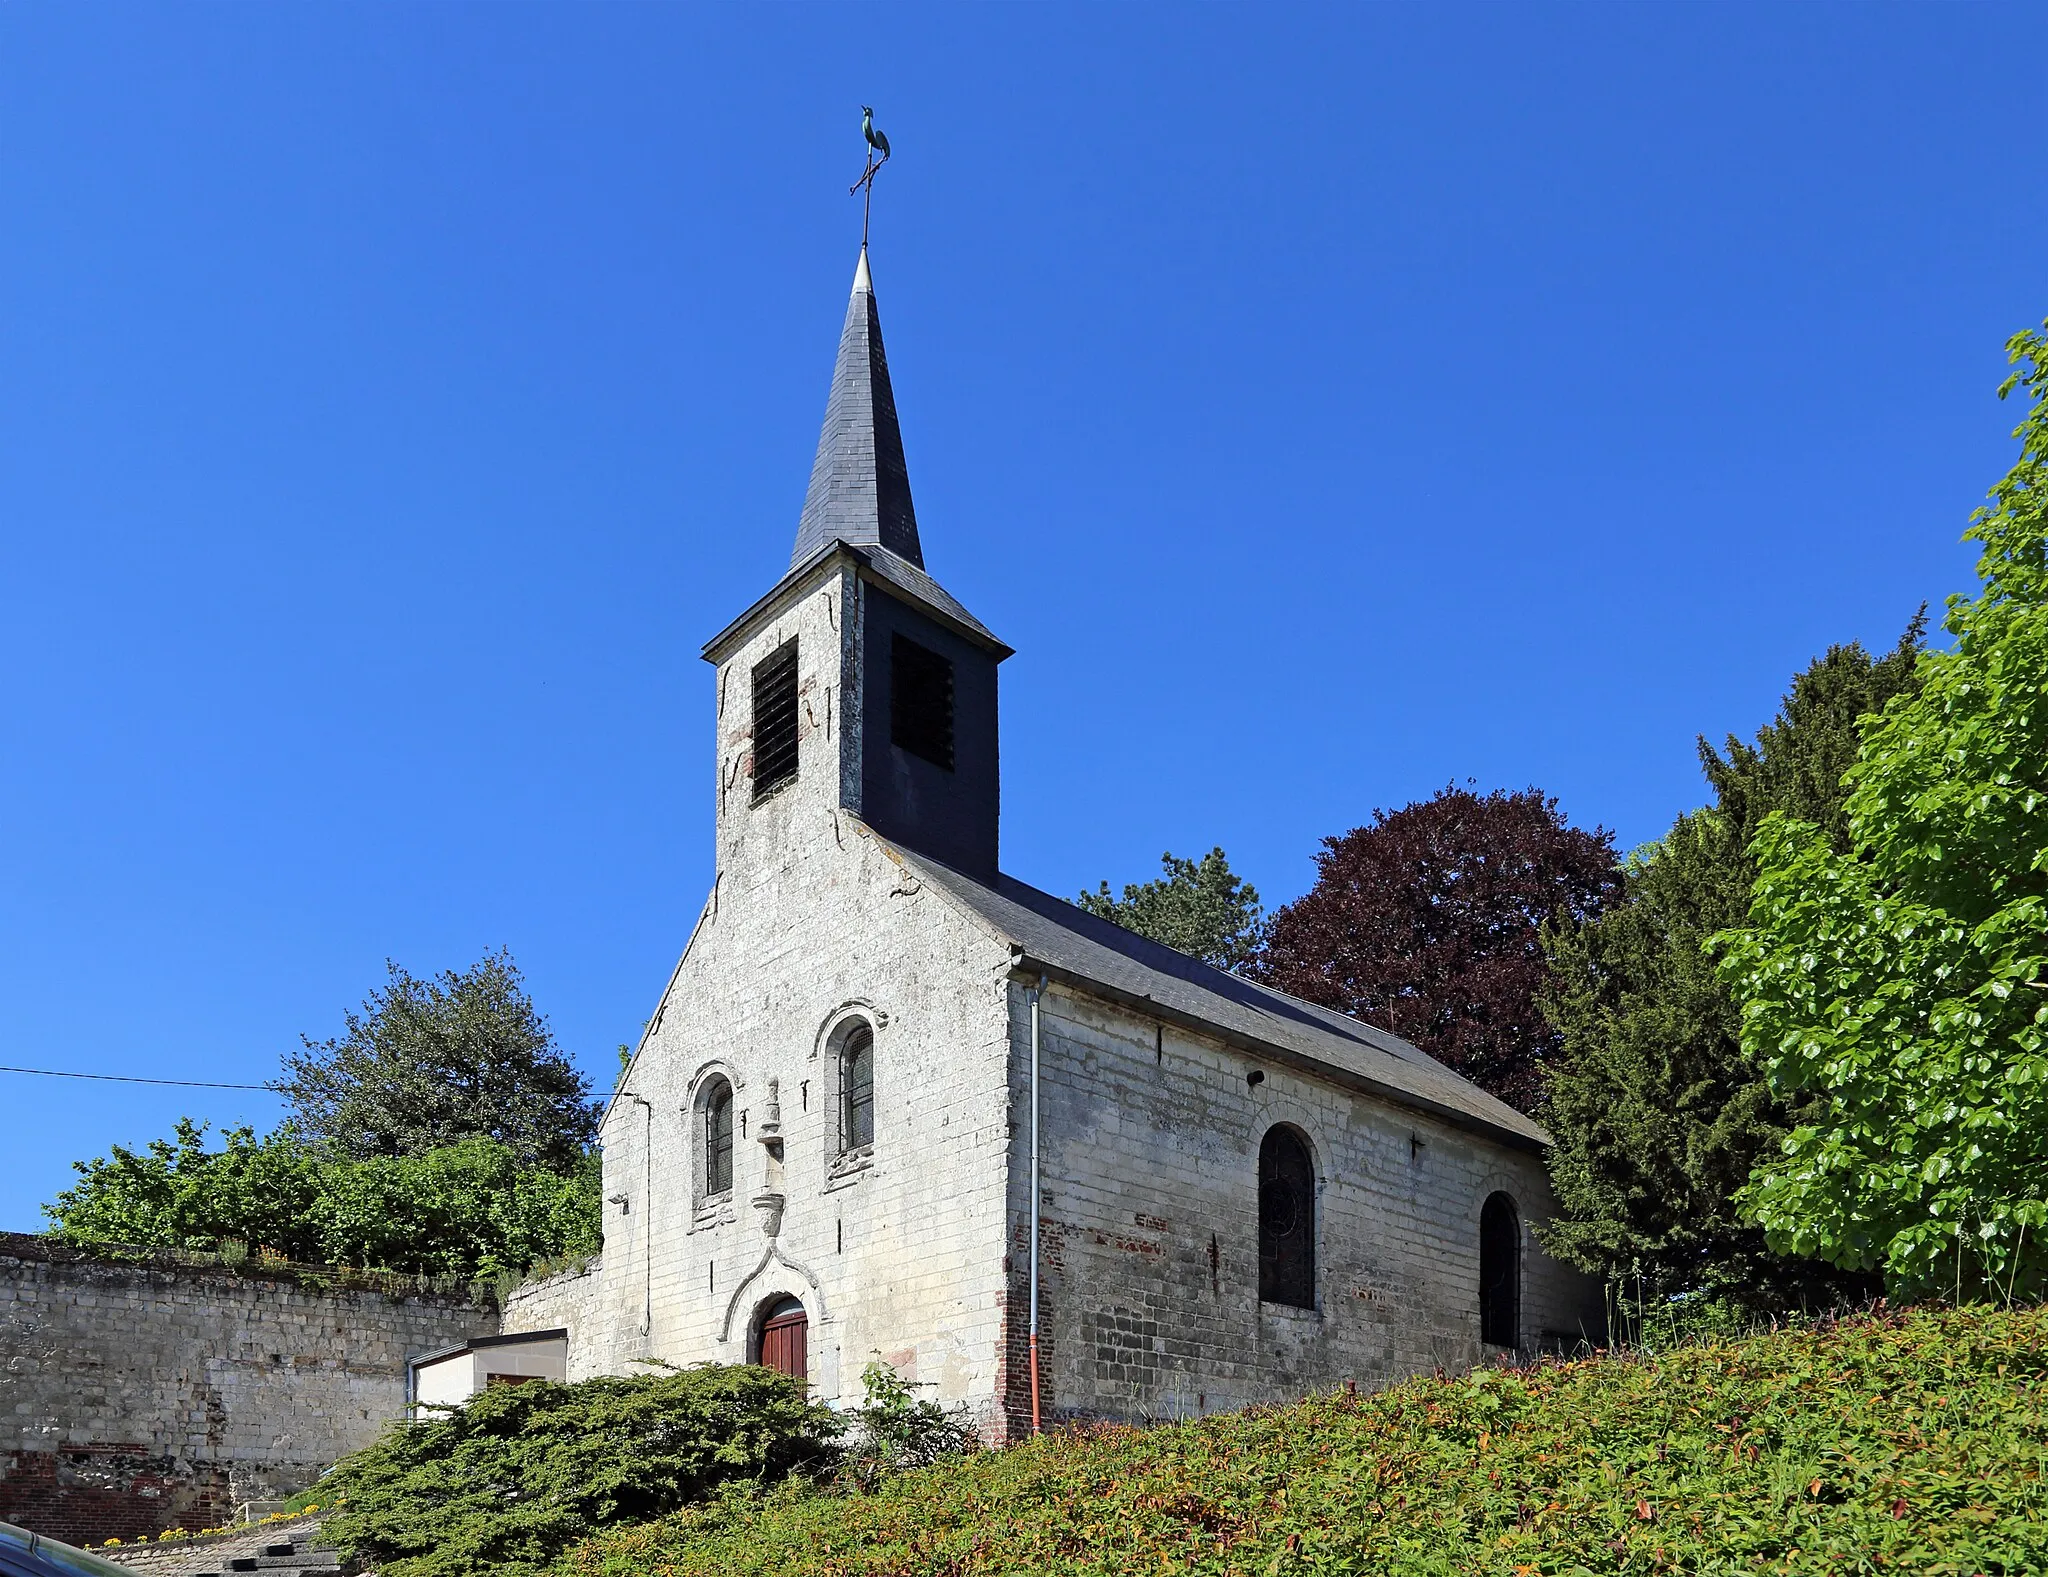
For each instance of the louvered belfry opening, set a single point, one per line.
(921, 701)
(775, 720)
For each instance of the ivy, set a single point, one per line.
(1894, 1442)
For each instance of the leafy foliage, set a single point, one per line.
(520, 1473)
(1906, 980)
(1197, 907)
(1427, 923)
(1898, 1443)
(1658, 1115)
(467, 1210)
(895, 1430)
(429, 1063)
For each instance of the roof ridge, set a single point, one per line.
(1098, 953)
(1335, 1017)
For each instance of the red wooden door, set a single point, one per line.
(784, 1339)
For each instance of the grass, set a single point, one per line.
(1892, 1442)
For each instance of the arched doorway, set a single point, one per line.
(1287, 1220)
(785, 1339)
(1500, 1272)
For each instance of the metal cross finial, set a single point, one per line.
(877, 143)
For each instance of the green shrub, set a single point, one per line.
(468, 1210)
(894, 1430)
(507, 1482)
(1890, 1443)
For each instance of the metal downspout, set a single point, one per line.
(647, 1220)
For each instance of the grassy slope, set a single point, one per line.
(1908, 1443)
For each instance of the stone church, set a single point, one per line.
(895, 1103)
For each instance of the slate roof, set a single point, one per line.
(860, 486)
(911, 579)
(1075, 946)
(880, 564)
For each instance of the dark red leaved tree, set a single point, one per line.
(1425, 923)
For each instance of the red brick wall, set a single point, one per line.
(88, 1494)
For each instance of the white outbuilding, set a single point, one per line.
(450, 1376)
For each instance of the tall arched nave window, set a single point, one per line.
(1287, 1220)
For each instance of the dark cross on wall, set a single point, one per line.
(877, 144)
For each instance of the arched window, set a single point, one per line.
(717, 1123)
(1500, 1272)
(857, 1089)
(1287, 1220)
(785, 1339)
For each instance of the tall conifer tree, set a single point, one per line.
(1657, 1114)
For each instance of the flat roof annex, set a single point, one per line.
(456, 1349)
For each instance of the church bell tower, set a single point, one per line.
(858, 683)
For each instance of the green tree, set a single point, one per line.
(429, 1063)
(177, 1193)
(1657, 1114)
(471, 1209)
(1904, 981)
(1429, 920)
(1198, 907)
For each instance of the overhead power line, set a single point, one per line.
(129, 1078)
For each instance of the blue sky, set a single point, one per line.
(1327, 403)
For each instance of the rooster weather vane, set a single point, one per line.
(877, 144)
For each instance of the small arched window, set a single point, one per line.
(1287, 1220)
(857, 1089)
(717, 1109)
(1500, 1272)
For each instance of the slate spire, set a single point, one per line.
(860, 487)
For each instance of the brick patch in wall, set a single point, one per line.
(88, 1494)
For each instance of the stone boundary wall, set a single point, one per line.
(568, 1299)
(139, 1394)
